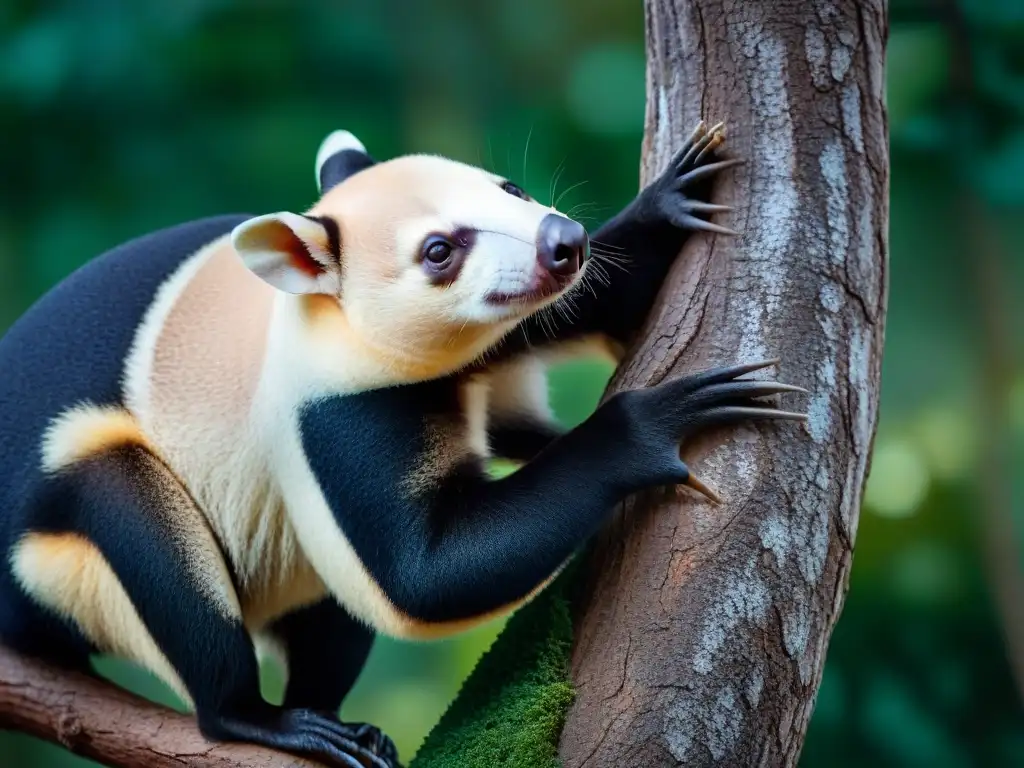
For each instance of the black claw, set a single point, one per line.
(686, 221)
(735, 414)
(726, 373)
(745, 389)
(373, 739)
(704, 171)
(698, 206)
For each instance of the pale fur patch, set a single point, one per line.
(87, 430)
(520, 387)
(474, 394)
(140, 358)
(194, 372)
(68, 574)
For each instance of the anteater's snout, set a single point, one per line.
(562, 245)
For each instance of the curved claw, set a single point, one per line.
(704, 171)
(699, 206)
(686, 221)
(698, 148)
(716, 141)
(746, 388)
(699, 132)
(375, 740)
(692, 482)
(344, 751)
(725, 373)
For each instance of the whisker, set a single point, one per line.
(554, 182)
(607, 245)
(570, 189)
(601, 274)
(526, 152)
(614, 260)
(580, 209)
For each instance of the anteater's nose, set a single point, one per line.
(562, 245)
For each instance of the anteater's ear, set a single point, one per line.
(340, 155)
(295, 254)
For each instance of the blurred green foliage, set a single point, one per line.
(120, 117)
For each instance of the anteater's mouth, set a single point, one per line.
(546, 286)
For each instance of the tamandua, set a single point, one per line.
(273, 430)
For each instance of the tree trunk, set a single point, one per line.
(702, 636)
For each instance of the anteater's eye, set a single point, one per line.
(513, 190)
(437, 250)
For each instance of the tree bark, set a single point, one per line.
(107, 724)
(703, 629)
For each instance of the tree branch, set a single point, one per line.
(112, 726)
(702, 637)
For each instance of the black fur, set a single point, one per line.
(333, 234)
(341, 165)
(326, 650)
(520, 438)
(468, 545)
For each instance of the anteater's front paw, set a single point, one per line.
(672, 411)
(681, 195)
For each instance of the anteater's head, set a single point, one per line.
(419, 255)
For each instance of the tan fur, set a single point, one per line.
(197, 365)
(87, 430)
(329, 327)
(451, 440)
(445, 449)
(520, 386)
(208, 355)
(474, 395)
(69, 575)
(596, 345)
(413, 629)
(101, 429)
(417, 330)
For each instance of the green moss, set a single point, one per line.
(511, 709)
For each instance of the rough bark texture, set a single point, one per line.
(110, 725)
(703, 637)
